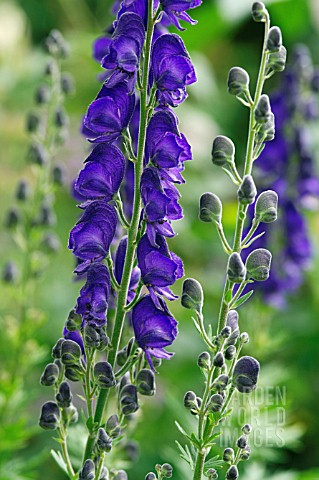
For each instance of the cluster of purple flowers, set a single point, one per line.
(110, 122)
(293, 176)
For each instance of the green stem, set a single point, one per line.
(65, 452)
(132, 231)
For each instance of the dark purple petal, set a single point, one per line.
(75, 336)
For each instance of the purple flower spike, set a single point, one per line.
(125, 50)
(154, 328)
(103, 173)
(109, 113)
(94, 295)
(172, 69)
(176, 10)
(91, 237)
(159, 267)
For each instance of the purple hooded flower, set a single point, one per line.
(101, 47)
(94, 295)
(176, 10)
(102, 174)
(172, 69)
(159, 267)
(125, 50)
(119, 265)
(91, 237)
(109, 113)
(154, 328)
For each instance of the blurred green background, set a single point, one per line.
(285, 342)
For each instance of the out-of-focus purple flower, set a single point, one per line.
(154, 328)
(159, 267)
(172, 69)
(176, 11)
(109, 113)
(103, 173)
(91, 237)
(94, 295)
(75, 336)
(125, 50)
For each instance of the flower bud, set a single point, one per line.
(238, 81)
(104, 340)
(242, 441)
(121, 356)
(46, 217)
(23, 191)
(32, 122)
(88, 471)
(232, 322)
(192, 295)
(223, 151)
(103, 375)
(74, 321)
(13, 218)
(259, 12)
(277, 60)
(151, 476)
(232, 473)
(51, 243)
(274, 40)
(60, 117)
(112, 426)
(10, 272)
(42, 94)
(50, 416)
(220, 383)
(103, 442)
(67, 83)
(64, 395)
(247, 191)
(56, 45)
(70, 352)
(263, 110)
(58, 175)
(230, 352)
(225, 332)
(211, 474)
(38, 154)
(145, 382)
(266, 132)
(74, 373)
(244, 337)
(56, 350)
(246, 429)
(166, 470)
(91, 336)
(120, 475)
(216, 403)
(72, 414)
(266, 207)
(228, 455)
(258, 264)
(245, 454)
(49, 375)
(131, 451)
(236, 270)
(245, 374)
(190, 401)
(210, 208)
(203, 360)
(219, 360)
(128, 399)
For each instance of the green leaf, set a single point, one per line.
(59, 460)
(181, 429)
(196, 325)
(228, 296)
(91, 425)
(242, 299)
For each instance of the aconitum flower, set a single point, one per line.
(172, 69)
(109, 114)
(75, 336)
(91, 237)
(159, 267)
(154, 328)
(176, 11)
(119, 265)
(102, 174)
(94, 295)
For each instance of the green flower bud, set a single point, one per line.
(72, 414)
(242, 441)
(192, 295)
(203, 361)
(221, 383)
(32, 122)
(245, 374)
(211, 474)
(259, 12)
(167, 470)
(266, 207)
(236, 270)
(60, 117)
(226, 332)
(223, 151)
(247, 191)
(112, 426)
(274, 40)
(42, 95)
(23, 191)
(50, 243)
(103, 442)
(91, 336)
(74, 321)
(88, 471)
(56, 350)
(232, 473)
(244, 337)
(263, 110)
(74, 373)
(58, 175)
(38, 154)
(145, 382)
(64, 395)
(216, 403)
(228, 455)
(246, 429)
(10, 272)
(121, 356)
(258, 264)
(13, 218)
(70, 352)
(245, 454)
(103, 375)
(56, 45)
(266, 132)
(50, 416)
(49, 375)
(230, 352)
(219, 360)
(151, 476)
(277, 60)
(210, 208)
(104, 340)
(120, 475)
(190, 401)
(128, 399)
(67, 83)
(238, 81)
